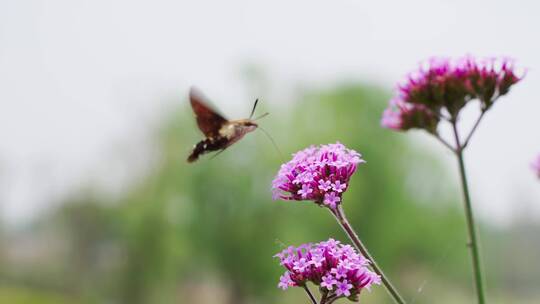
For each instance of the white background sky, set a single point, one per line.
(80, 77)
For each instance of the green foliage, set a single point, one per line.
(14, 295)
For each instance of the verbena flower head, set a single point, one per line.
(403, 116)
(318, 173)
(443, 85)
(336, 268)
(535, 165)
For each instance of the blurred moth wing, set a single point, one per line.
(208, 120)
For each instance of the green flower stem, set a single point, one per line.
(344, 223)
(471, 226)
(310, 295)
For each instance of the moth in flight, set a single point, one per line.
(220, 132)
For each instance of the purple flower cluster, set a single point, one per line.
(535, 165)
(336, 268)
(320, 174)
(445, 85)
(401, 115)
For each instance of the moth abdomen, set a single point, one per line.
(205, 146)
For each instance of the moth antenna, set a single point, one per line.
(261, 116)
(254, 107)
(273, 142)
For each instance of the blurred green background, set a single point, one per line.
(206, 232)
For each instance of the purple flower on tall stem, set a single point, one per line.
(437, 93)
(441, 87)
(321, 174)
(321, 265)
(535, 165)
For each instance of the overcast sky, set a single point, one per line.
(80, 77)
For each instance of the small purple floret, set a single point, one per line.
(343, 288)
(328, 282)
(285, 281)
(331, 199)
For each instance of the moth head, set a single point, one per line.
(249, 125)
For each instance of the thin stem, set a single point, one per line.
(444, 142)
(310, 295)
(484, 110)
(344, 223)
(332, 300)
(466, 142)
(324, 296)
(471, 226)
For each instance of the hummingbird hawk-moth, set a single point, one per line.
(220, 132)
